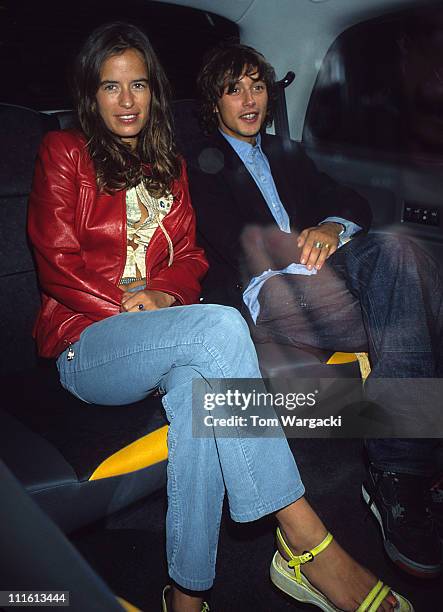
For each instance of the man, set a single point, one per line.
(269, 220)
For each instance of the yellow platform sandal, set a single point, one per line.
(288, 577)
(204, 608)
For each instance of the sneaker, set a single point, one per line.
(400, 502)
(437, 504)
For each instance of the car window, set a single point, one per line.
(381, 88)
(38, 41)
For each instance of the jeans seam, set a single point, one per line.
(365, 317)
(176, 516)
(369, 333)
(133, 351)
(144, 347)
(250, 472)
(214, 552)
(269, 507)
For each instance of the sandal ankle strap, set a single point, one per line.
(306, 557)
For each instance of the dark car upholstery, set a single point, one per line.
(80, 461)
(51, 441)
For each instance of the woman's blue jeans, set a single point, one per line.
(126, 357)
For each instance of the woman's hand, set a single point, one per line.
(318, 243)
(149, 299)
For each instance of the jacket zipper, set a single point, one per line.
(71, 353)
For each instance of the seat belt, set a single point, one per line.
(281, 123)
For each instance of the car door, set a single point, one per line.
(375, 121)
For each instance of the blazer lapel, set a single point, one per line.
(247, 202)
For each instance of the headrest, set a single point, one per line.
(187, 128)
(21, 131)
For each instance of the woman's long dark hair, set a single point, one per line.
(118, 167)
(222, 68)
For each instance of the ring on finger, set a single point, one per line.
(318, 245)
(326, 245)
(141, 307)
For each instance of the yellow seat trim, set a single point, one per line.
(338, 358)
(140, 454)
(362, 358)
(127, 606)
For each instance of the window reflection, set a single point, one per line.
(381, 87)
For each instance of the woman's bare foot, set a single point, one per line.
(333, 572)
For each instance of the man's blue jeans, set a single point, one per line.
(124, 358)
(377, 293)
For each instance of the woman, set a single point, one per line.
(114, 238)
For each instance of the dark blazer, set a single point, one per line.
(226, 200)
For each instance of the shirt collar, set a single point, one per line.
(242, 148)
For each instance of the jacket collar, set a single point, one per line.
(284, 168)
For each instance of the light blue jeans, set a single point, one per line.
(124, 358)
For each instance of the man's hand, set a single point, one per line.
(318, 243)
(149, 299)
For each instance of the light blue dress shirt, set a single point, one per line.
(258, 166)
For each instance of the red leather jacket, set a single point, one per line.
(79, 240)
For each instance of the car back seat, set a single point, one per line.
(78, 461)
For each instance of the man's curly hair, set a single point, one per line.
(222, 68)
